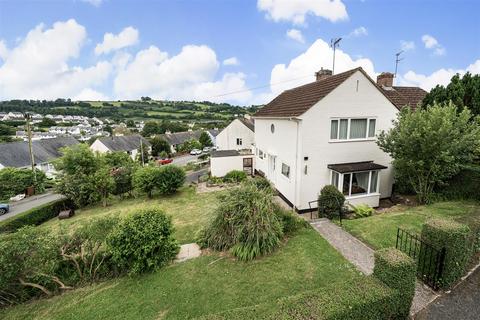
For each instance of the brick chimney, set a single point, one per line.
(323, 74)
(385, 79)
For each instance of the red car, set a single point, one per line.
(164, 161)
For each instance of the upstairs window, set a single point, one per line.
(352, 128)
(239, 141)
(261, 155)
(286, 170)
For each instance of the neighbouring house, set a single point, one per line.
(17, 154)
(224, 161)
(213, 133)
(325, 133)
(129, 144)
(176, 139)
(238, 135)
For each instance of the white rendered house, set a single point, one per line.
(129, 144)
(238, 135)
(325, 133)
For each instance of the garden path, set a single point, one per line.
(361, 255)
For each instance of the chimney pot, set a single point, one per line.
(385, 79)
(323, 74)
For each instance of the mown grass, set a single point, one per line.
(189, 210)
(380, 231)
(209, 284)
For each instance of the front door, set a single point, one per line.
(248, 166)
(272, 163)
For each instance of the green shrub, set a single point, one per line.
(235, 176)
(464, 185)
(15, 181)
(35, 216)
(143, 242)
(215, 180)
(330, 201)
(291, 223)
(204, 178)
(362, 210)
(145, 179)
(80, 188)
(456, 238)
(245, 223)
(170, 179)
(262, 183)
(398, 271)
(123, 180)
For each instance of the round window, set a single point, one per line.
(272, 128)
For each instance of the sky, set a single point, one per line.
(242, 52)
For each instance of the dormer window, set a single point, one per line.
(352, 129)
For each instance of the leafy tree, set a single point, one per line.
(47, 123)
(143, 242)
(14, 181)
(150, 128)
(104, 183)
(189, 145)
(117, 159)
(123, 179)
(170, 179)
(143, 150)
(430, 145)
(463, 92)
(130, 123)
(108, 128)
(159, 145)
(78, 159)
(205, 140)
(6, 130)
(145, 179)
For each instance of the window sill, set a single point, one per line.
(351, 140)
(365, 195)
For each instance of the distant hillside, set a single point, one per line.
(136, 110)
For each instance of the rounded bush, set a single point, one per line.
(245, 223)
(330, 201)
(143, 242)
(235, 176)
(170, 179)
(262, 183)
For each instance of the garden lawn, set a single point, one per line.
(208, 284)
(380, 231)
(189, 210)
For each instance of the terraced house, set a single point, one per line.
(324, 133)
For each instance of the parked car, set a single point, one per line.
(207, 149)
(195, 152)
(164, 161)
(18, 197)
(4, 208)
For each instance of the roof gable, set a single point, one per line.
(124, 143)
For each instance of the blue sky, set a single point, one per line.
(177, 49)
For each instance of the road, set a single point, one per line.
(183, 160)
(29, 203)
(462, 303)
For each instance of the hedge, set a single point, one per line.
(398, 271)
(34, 216)
(367, 299)
(464, 185)
(457, 240)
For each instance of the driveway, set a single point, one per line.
(463, 302)
(29, 203)
(183, 160)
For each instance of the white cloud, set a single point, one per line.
(433, 44)
(95, 3)
(441, 76)
(318, 55)
(127, 37)
(358, 32)
(3, 50)
(296, 10)
(89, 94)
(37, 68)
(233, 61)
(187, 75)
(296, 35)
(407, 45)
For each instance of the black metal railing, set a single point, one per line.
(340, 213)
(430, 260)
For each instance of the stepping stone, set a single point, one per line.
(188, 251)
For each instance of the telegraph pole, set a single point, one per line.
(141, 150)
(30, 148)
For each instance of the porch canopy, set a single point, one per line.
(355, 166)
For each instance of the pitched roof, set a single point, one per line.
(17, 154)
(214, 132)
(177, 138)
(405, 96)
(355, 166)
(296, 101)
(124, 143)
(249, 123)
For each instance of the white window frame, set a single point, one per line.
(348, 139)
(261, 154)
(350, 196)
(239, 140)
(289, 170)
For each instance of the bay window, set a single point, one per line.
(356, 183)
(352, 128)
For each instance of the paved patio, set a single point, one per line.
(361, 255)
